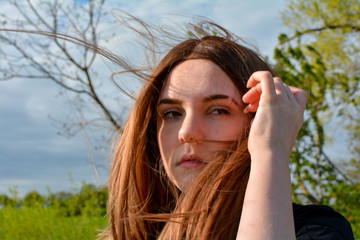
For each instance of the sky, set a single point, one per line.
(33, 156)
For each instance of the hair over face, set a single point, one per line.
(143, 203)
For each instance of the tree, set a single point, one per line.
(321, 55)
(47, 52)
(33, 199)
(330, 30)
(93, 200)
(6, 201)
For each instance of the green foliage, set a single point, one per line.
(313, 173)
(89, 201)
(332, 29)
(316, 179)
(347, 203)
(321, 56)
(63, 215)
(6, 201)
(33, 199)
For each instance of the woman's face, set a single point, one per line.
(198, 103)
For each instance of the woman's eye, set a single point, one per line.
(219, 111)
(171, 114)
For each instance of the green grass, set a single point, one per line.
(45, 223)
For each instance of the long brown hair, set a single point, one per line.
(143, 203)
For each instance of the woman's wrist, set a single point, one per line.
(270, 155)
(268, 199)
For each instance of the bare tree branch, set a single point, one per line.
(323, 28)
(54, 59)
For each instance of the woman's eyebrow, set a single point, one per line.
(218, 96)
(169, 101)
(206, 99)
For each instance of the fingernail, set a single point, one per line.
(246, 109)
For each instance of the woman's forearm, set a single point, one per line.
(267, 210)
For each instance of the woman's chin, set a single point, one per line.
(184, 182)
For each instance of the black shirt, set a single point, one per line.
(318, 222)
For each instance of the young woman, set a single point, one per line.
(206, 149)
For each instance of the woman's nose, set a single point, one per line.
(191, 129)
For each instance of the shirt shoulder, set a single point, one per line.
(319, 222)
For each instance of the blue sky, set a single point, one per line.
(33, 156)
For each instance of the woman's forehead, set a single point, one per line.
(197, 77)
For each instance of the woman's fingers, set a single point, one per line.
(300, 95)
(266, 82)
(280, 87)
(253, 94)
(262, 83)
(252, 107)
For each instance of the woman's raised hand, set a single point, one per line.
(267, 209)
(279, 113)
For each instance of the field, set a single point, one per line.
(76, 215)
(45, 223)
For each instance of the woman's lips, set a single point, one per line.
(189, 161)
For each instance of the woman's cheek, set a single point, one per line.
(227, 130)
(168, 139)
